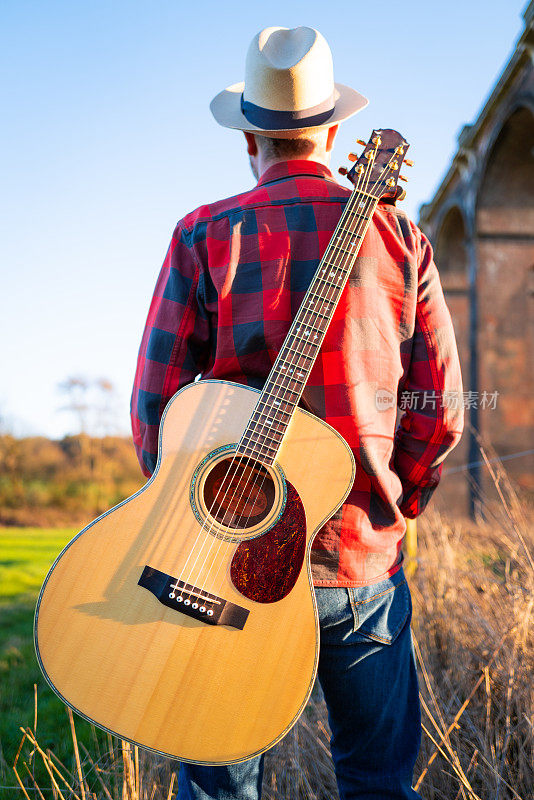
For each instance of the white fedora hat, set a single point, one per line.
(289, 87)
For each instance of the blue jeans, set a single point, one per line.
(368, 676)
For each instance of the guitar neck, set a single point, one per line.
(289, 374)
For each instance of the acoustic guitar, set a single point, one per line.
(184, 619)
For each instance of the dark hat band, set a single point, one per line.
(271, 120)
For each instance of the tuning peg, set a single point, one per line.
(360, 141)
(402, 177)
(408, 162)
(342, 170)
(352, 157)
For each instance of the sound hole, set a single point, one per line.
(239, 492)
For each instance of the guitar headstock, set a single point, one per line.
(377, 170)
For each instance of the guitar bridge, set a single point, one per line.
(192, 601)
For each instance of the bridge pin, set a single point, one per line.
(172, 595)
(194, 605)
(179, 599)
(202, 609)
(187, 602)
(210, 612)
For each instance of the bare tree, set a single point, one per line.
(76, 388)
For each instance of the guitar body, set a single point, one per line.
(109, 634)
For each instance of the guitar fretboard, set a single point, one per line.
(286, 381)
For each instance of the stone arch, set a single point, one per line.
(451, 253)
(505, 253)
(507, 180)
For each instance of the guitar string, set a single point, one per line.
(235, 463)
(328, 265)
(229, 479)
(246, 483)
(289, 398)
(351, 231)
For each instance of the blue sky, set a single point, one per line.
(107, 140)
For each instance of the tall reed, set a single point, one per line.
(473, 595)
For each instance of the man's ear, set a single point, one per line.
(330, 138)
(252, 147)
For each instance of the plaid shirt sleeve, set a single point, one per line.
(174, 347)
(433, 419)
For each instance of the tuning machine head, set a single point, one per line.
(376, 170)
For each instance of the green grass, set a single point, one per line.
(25, 557)
(26, 554)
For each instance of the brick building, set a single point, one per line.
(481, 224)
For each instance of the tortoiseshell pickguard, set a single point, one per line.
(266, 568)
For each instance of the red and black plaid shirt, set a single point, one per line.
(231, 283)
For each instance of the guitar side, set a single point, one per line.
(151, 674)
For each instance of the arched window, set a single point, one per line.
(450, 252)
(508, 181)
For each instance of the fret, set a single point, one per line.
(264, 458)
(276, 387)
(358, 209)
(311, 310)
(252, 436)
(269, 417)
(275, 405)
(293, 379)
(305, 340)
(324, 285)
(355, 214)
(322, 299)
(350, 235)
(254, 452)
(366, 194)
(330, 283)
(293, 348)
(278, 413)
(257, 455)
(267, 412)
(333, 270)
(289, 370)
(275, 401)
(308, 326)
(268, 435)
(344, 249)
(336, 271)
(258, 447)
(245, 446)
(290, 349)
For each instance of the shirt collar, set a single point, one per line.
(290, 169)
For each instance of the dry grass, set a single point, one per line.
(116, 772)
(473, 597)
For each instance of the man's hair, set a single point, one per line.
(286, 148)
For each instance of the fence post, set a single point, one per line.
(411, 547)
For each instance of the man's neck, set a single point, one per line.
(260, 165)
